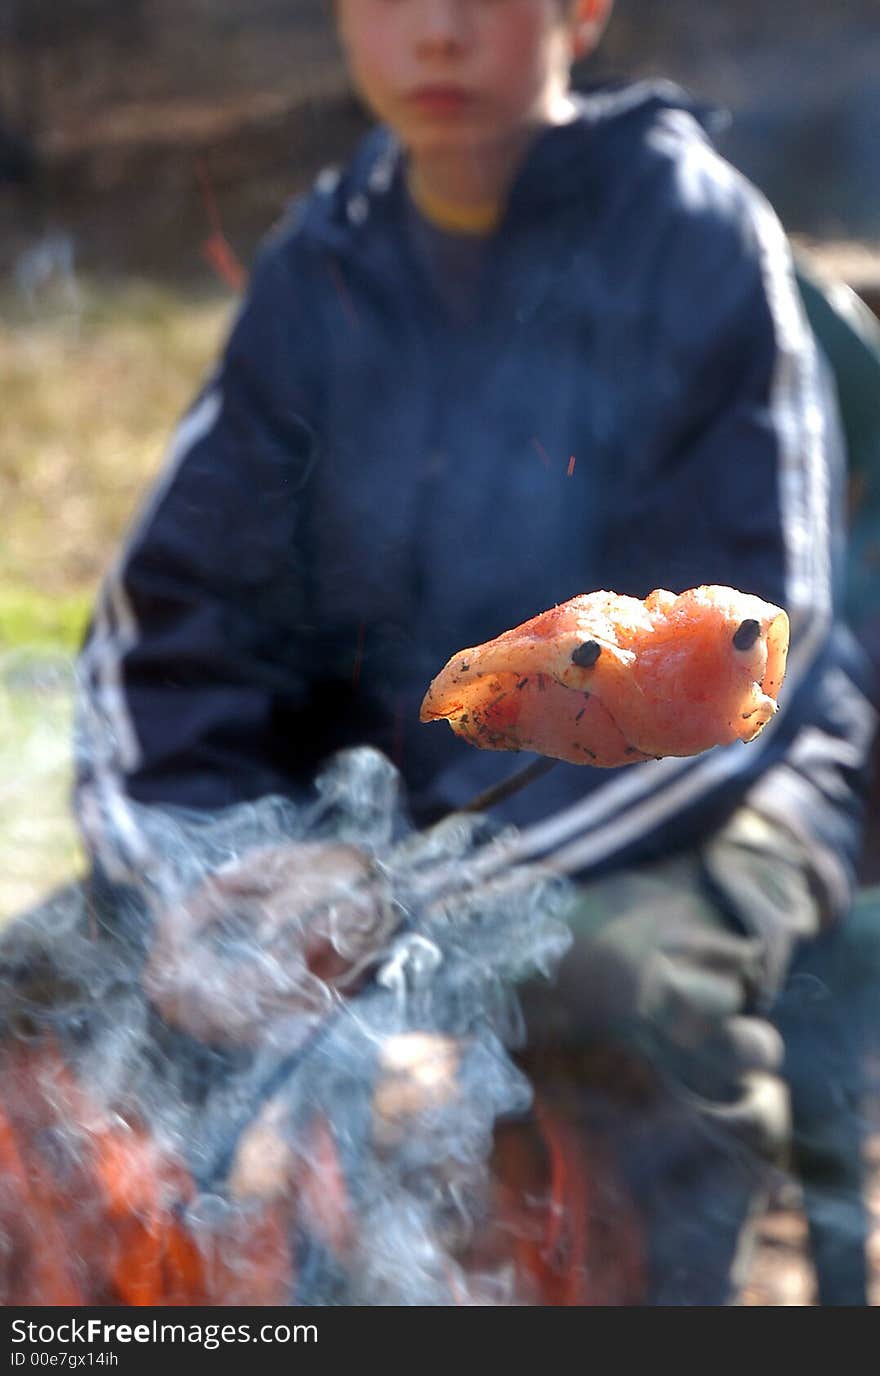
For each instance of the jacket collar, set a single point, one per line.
(611, 121)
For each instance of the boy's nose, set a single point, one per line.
(443, 25)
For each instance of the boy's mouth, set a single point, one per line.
(440, 99)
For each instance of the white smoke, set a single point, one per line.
(355, 1108)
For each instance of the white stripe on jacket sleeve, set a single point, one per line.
(106, 739)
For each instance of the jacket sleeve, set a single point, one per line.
(197, 646)
(736, 478)
(849, 335)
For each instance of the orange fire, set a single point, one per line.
(95, 1213)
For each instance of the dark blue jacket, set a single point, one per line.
(365, 486)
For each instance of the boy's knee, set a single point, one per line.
(678, 962)
(683, 945)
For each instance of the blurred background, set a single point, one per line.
(145, 147)
(117, 103)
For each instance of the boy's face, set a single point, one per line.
(448, 75)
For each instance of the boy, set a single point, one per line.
(526, 345)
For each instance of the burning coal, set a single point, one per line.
(286, 1092)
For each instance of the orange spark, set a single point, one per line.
(216, 249)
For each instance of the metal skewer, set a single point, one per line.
(500, 792)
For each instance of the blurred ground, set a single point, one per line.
(93, 381)
(38, 843)
(94, 378)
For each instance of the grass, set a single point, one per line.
(41, 622)
(90, 396)
(38, 842)
(93, 381)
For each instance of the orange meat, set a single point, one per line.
(609, 680)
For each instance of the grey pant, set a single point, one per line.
(660, 1012)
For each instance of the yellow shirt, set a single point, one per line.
(480, 220)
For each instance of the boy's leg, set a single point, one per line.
(827, 1015)
(674, 966)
